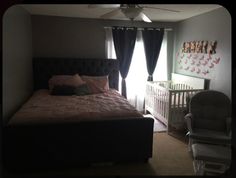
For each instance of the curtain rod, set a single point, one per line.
(142, 28)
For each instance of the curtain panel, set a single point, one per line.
(124, 42)
(152, 39)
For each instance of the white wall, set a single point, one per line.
(17, 59)
(214, 25)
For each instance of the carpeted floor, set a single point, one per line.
(170, 157)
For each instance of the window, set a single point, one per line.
(137, 76)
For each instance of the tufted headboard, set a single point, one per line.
(45, 68)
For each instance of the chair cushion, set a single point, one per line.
(210, 104)
(213, 153)
(215, 125)
(210, 136)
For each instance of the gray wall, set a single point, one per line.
(215, 25)
(67, 37)
(17, 63)
(170, 48)
(75, 37)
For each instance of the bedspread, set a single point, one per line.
(45, 108)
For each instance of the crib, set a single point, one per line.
(168, 100)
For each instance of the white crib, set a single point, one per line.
(167, 100)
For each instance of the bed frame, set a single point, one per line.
(167, 100)
(69, 145)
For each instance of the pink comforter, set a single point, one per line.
(43, 108)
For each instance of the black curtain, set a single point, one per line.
(124, 41)
(152, 39)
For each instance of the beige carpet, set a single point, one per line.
(170, 157)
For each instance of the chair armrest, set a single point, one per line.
(228, 126)
(188, 119)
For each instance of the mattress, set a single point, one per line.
(45, 108)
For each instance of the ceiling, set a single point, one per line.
(83, 11)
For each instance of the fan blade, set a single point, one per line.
(160, 8)
(144, 17)
(111, 14)
(103, 5)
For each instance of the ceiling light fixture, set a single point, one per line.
(145, 18)
(131, 12)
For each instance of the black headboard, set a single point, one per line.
(45, 68)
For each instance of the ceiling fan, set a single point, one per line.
(131, 11)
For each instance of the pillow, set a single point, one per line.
(97, 84)
(82, 90)
(69, 80)
(63, 90)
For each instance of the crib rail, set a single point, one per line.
(167, 101)
(170, 85)
(181, 97)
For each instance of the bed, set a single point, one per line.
(168, 100)
(47, 132)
